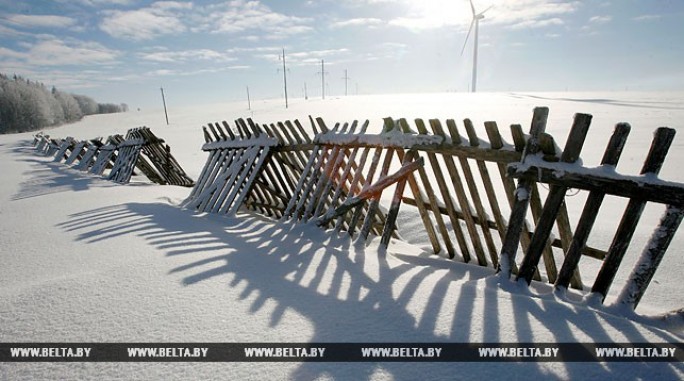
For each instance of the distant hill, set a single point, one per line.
(30, 106)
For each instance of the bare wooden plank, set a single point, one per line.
(446, 196)
(228, 130)
(355, 183)
(463, 201)
(333, 176)
(346, 173)
(522, 198)
(495, 140)
(650, 259)
(475, 194)
(323, 176)
(375, 200)
(573, 147)
(572, 255)
(373, 190)
(303, 133)
(654, 161)
(393, 213)
(451, 209)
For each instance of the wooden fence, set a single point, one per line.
(461, 187)
(140, 149)
(561, 172)
(456, 183)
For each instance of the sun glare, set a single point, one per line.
(441, 12)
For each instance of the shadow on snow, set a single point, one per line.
(336, 287)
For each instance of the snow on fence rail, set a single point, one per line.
(263, 168)
(139, 149)
(327, 179)
(560, 170)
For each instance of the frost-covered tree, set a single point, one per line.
(88, 105)
(72, 111)
(28, 106)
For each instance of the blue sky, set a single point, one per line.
(209, 51)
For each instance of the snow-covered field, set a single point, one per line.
(86, 260)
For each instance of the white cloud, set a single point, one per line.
(310, 57)
(55, 52)
(97, 3)
(538, 23)
(647, 18)
(185, 73)
(40, 21)
(241, 16)
(600, 19)
(5, 31)
(434, 14)
(355, 22)
(161, 18)
(187, 55)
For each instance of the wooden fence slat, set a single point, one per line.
(353, 186)
(76, 152)
(333, 173)
(408, 166)
(462, 198)
(451, 209)
(375, 199)
(464, 202)
(347, 171)
(553, 202)
(223, 187)
(495, 141)
(315, 186)
(516, 222)
(477, 200)
(446, 197)
(591, 208)
(650, 259)
(654, 161)
(219, 175)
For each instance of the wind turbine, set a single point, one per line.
(476, 21)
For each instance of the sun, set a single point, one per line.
(438, 13)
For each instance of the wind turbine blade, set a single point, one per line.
(467, 36)
(488, 8)
(472, 7)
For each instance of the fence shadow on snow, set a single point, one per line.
(320, 275)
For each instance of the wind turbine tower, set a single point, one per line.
(475, 22)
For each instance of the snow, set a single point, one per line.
(87, 260)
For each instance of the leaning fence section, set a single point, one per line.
(140, 149)
(561, 172)
(457, 184)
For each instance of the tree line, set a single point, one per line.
(29, 106)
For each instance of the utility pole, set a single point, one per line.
(249, 103)
(164, 102)
(346, 79)
(285, 77)
(306, 96)
(323, 78)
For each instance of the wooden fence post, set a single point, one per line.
(511, 240)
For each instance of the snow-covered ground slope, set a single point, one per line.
(86, 260)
